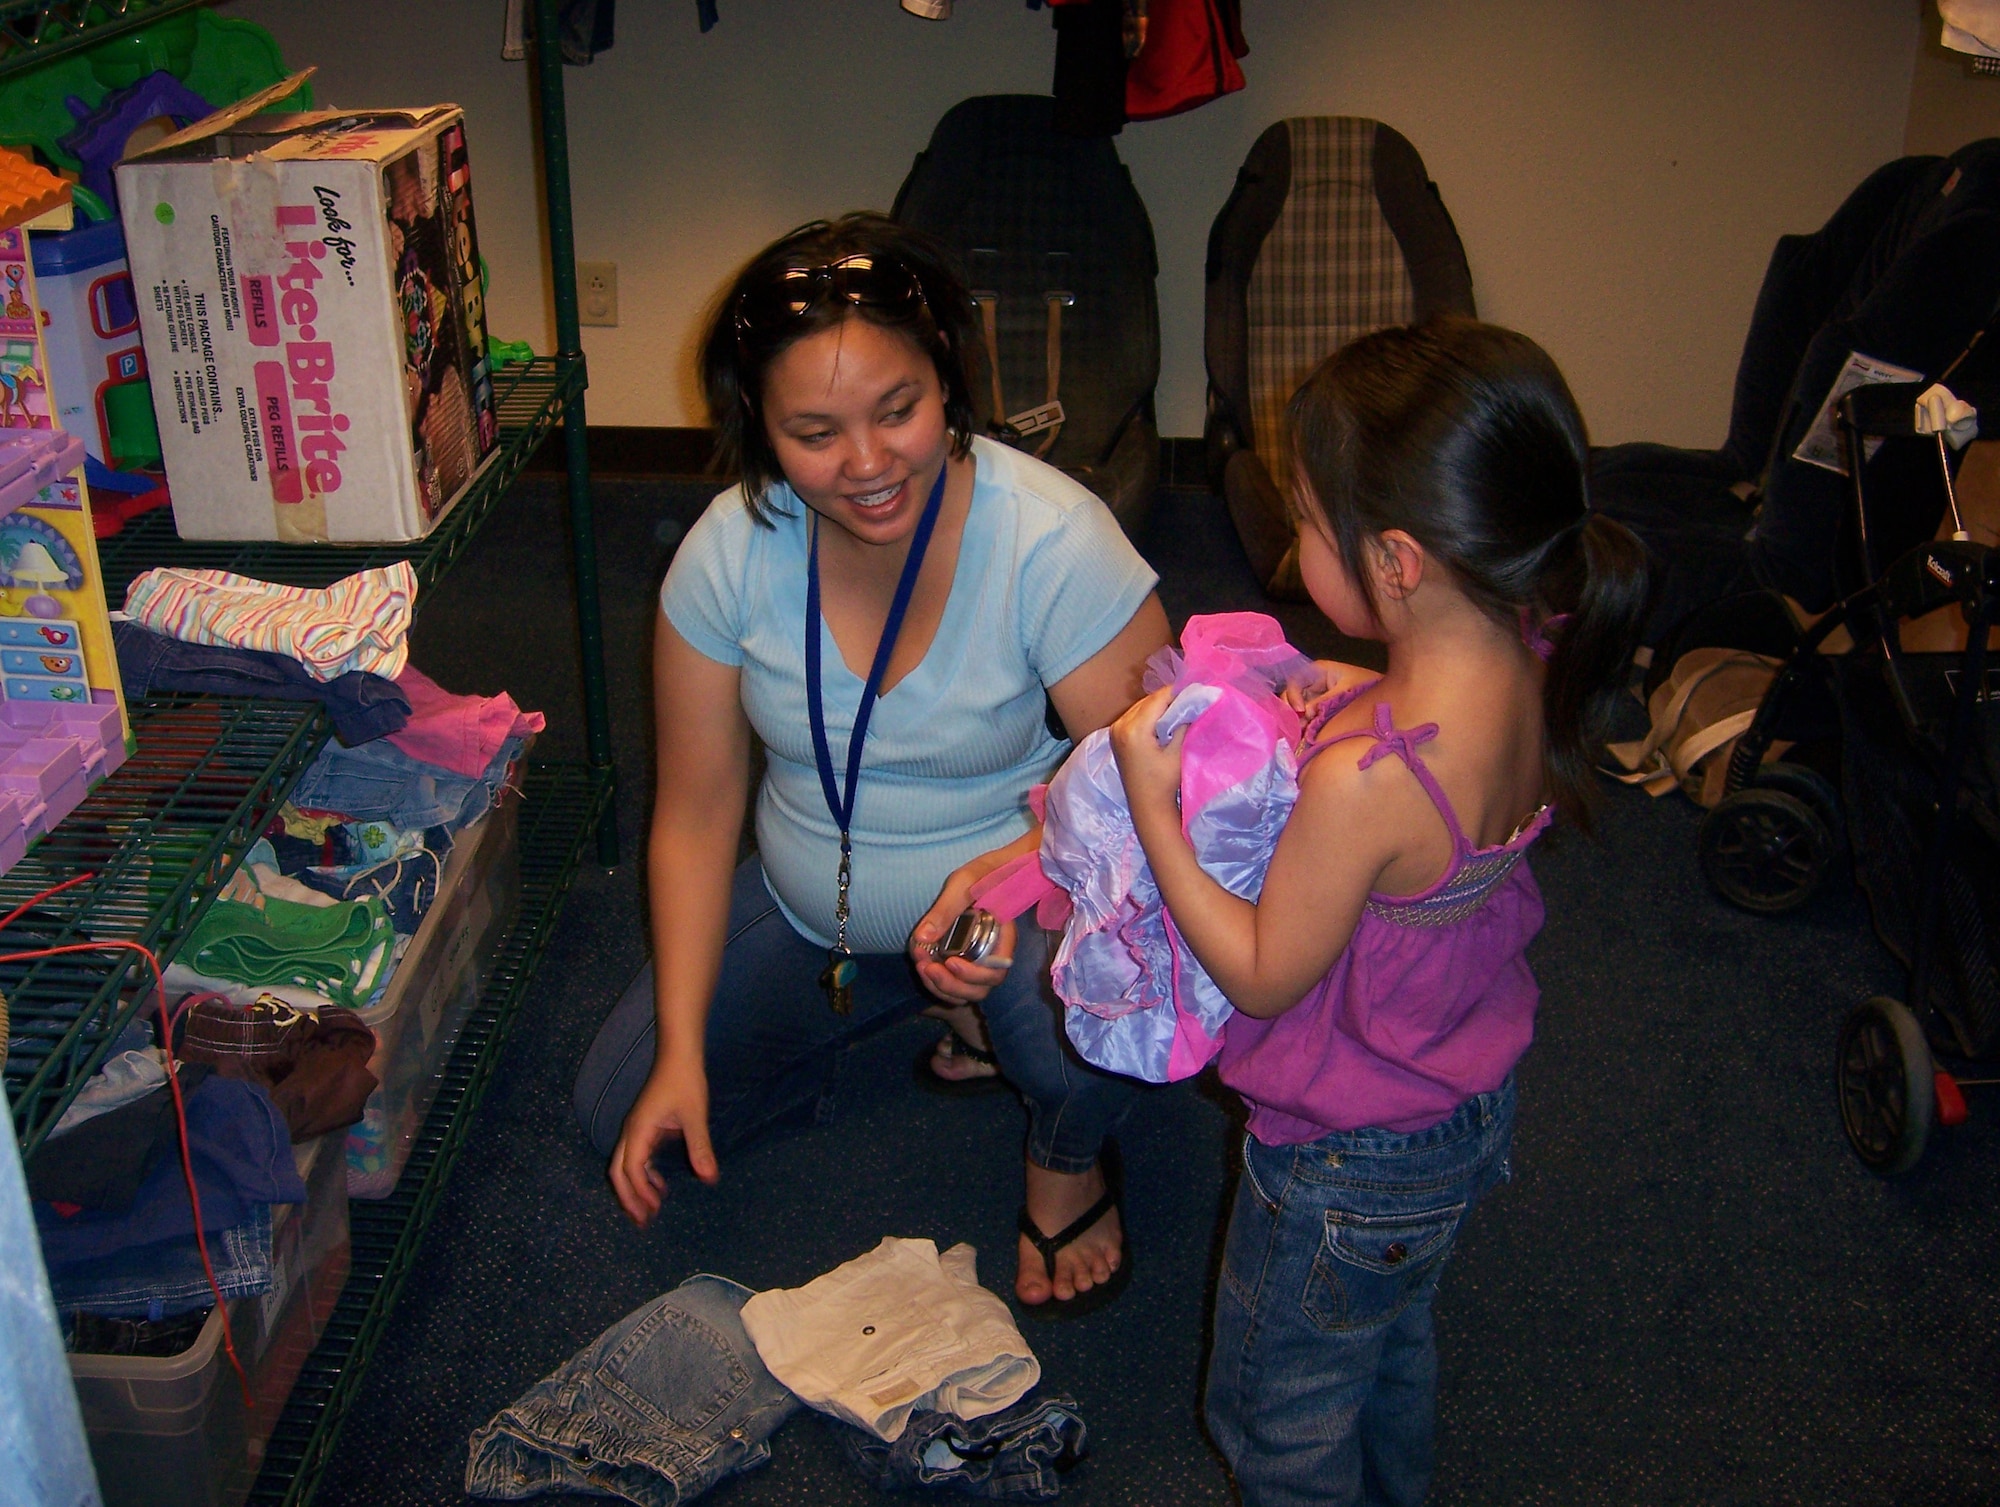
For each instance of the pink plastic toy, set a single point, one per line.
(61, 728)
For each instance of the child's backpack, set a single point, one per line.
(1058, 252)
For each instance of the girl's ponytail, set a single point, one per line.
(1600, 582)
(1465, 437)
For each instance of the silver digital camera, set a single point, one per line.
(973, 936)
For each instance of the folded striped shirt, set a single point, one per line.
(359, 623)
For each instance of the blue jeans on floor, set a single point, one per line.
(775, 1046)
(1322, 1386)
(661, 1406)
(1014, 1455)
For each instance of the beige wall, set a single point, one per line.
(1949, 103)
(1618, 168)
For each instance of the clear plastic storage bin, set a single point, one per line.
(172, 1431)
(434, 989)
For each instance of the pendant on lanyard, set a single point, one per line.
(837, 979)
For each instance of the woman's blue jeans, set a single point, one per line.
(1322, 1386)
(775, 1046)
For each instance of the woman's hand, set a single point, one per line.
(1151, 772)
(956, 981)
(674, 1102)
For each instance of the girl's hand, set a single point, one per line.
(955, 981)
(1304, 698)
(1151, 773)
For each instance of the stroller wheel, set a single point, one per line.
(1765, 851)
(1886, 1090)
(1807, 784)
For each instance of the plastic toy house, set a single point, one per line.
(90, 334)
(27, 190)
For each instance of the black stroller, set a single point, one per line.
(1915, 749)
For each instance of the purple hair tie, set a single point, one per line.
(1536, 637)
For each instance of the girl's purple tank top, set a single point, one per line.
(1431, 1002)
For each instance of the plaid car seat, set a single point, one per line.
(1333, 230)
(1058, 252)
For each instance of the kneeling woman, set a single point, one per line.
(884, 600)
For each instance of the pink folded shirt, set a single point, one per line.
(459, 733)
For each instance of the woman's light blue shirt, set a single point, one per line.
(1045, 579)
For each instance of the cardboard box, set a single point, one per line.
(308, 291)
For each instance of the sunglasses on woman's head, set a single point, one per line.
(863, 280)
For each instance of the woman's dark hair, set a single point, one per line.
(735, 359)
(1465, 436)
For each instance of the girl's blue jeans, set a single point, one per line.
(775, 1045)
(1322, 1385)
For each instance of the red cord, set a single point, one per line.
(173, 1085)
(27, 905)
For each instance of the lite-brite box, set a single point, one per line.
(308, 290)
(62, 705)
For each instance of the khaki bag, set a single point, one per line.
(1698, 712)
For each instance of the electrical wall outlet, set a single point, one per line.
(597, 292)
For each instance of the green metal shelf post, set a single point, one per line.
(576, 443)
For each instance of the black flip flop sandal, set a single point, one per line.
(956, 1045)
(1104, 1293)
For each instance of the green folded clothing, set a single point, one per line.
(341, 951)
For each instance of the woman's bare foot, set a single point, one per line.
(951, 1064)
(1054, 1200)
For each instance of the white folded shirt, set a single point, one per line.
(897, 1330)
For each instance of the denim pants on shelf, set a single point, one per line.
(363, 707)
(1322, 1386)
(166, 1278)
(774, 1045)
(665, 1403)
(379, 782)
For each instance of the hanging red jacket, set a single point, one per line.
(1189, 57)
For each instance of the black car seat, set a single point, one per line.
(1333, 230)
(1907, 272)
(1058, 252)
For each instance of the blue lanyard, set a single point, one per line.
(839, 803)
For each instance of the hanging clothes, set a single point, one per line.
(584, 28)
(1090, 67)
(1189, 57)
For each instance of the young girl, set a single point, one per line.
(1381, 981)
